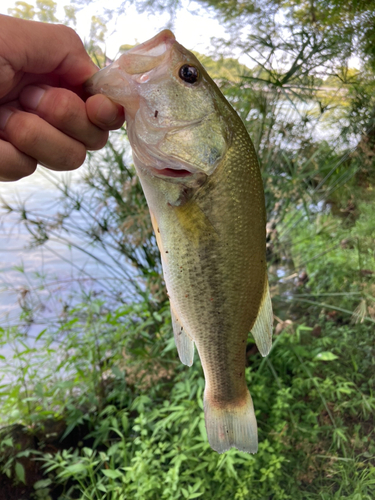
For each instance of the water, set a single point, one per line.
(45, 277)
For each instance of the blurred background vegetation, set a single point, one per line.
(96, 405)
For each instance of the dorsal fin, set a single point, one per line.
(262, 329)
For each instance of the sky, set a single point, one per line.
(193, 28)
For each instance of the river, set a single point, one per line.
(51, 276)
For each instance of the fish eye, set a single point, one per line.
(188, 74)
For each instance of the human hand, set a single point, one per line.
(43, 116)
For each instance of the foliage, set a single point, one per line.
(341, 22)
(341, 260)
(315, 425)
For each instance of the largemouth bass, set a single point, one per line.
(202, 182)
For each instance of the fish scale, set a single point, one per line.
(201, 179)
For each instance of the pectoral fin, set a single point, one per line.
(195, 223)
(184, 344)
(262, 329)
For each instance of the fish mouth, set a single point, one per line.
(191, 178)
(173, 172)
(147, 56)
(119, 80)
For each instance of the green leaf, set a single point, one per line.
(39, 389)
(113, 474)
(326, 356)
(117, 372)
(185, 492)
(158, 317)
(202, 428)
(76, 468)
(38, 338)
(20, 472)
(88, 451)
(43, 483)
(125, 422)
(7, 442)
(170, 345)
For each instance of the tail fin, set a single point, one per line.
(231, 427)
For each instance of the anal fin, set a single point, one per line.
(184, 344)
(262, 329)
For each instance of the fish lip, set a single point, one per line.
(185, 175)
(172, 173)
(153, 52)
(188, 179)
(156, 46)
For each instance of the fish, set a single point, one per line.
(203, 186)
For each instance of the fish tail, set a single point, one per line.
(232, 426)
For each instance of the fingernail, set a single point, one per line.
(5, 114)
(31, 96)
(107, 112)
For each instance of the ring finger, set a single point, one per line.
(36, 138)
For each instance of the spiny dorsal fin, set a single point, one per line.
(184, 344)
(262, 329)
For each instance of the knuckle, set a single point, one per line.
(75, 157)
(69, 34)
(71, 39)
(25, 171)
(99, 142)
(14, 165)
(63, 110)
(24, 132)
